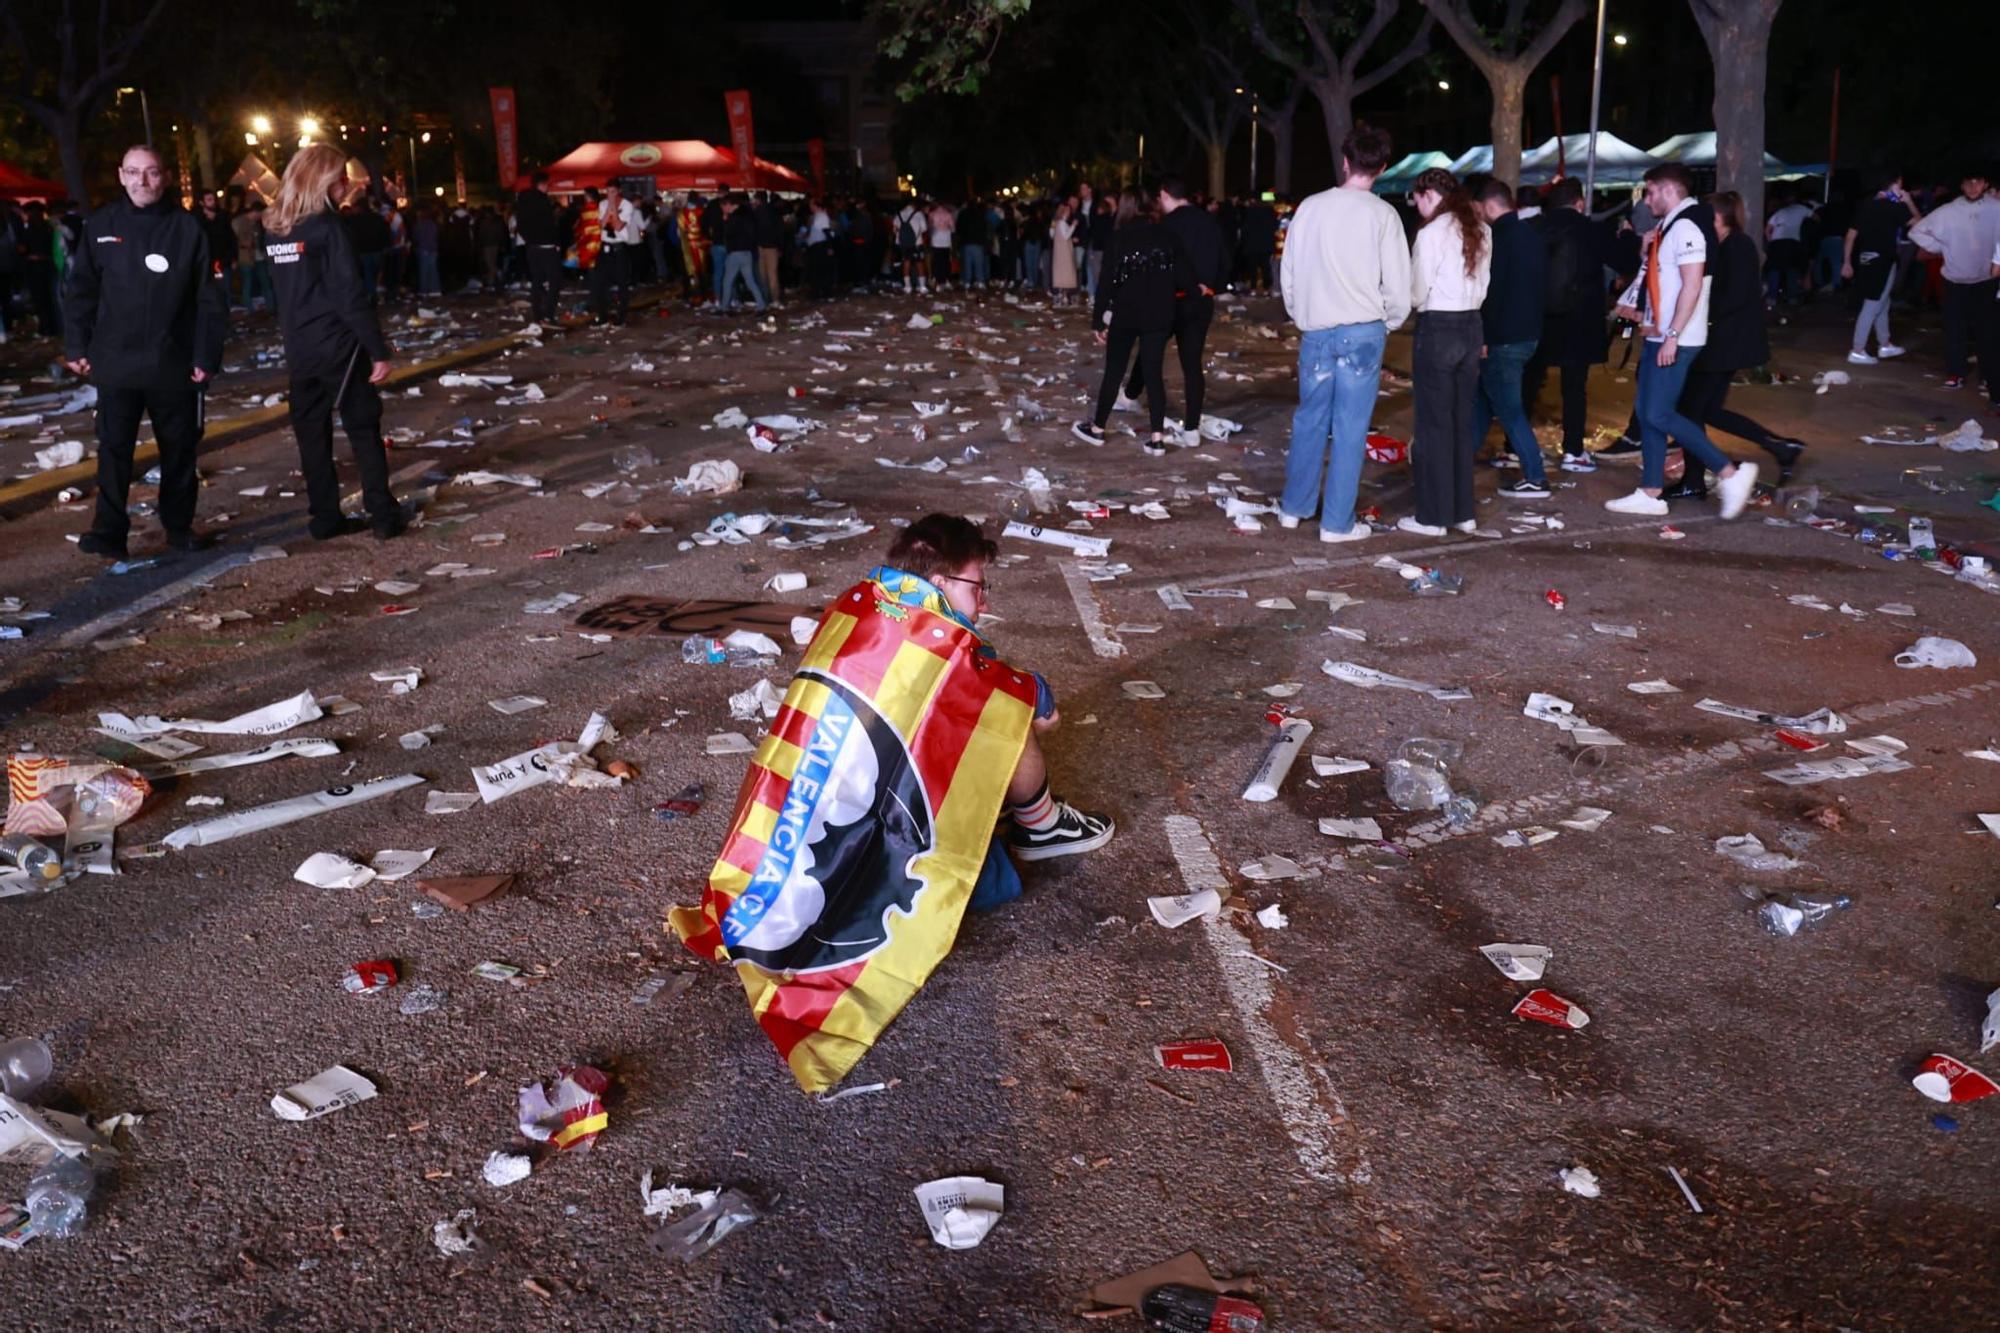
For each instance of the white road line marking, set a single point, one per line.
(153, 600)
(1467, 546)
(1302, 1090)
(1101, 641)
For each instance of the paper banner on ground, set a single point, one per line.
(277, 813)
(266, 721)
(305, 747)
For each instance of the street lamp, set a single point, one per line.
(261, 124)
(1253, 138)
(1620, 40)
(308, 126)
(1444, 85)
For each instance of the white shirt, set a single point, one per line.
(1438, 280)
(820, 228)
(1345, 262)
(1785, 224)
(622, 227)
(1965, 233)
(1657, 289)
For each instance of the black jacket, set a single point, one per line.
(323, 306)
(535, 218)
(143, 299)
(768, 222)
(1145, 268)
(1103, 221)
(368, 230)
(1512, 312)
(1259, 230)
(1201, 236)
(221, 237)
(1736, 338)
(1576, 251)
(739, 231)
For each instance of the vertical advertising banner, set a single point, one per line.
(506, 140)
(742, 138)
(816, 159)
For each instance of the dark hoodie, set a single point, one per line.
(143, 299)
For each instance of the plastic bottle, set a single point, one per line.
(1800, 502)
(59, 1195)
(21, 852)
(25, 1065)
(701, 650)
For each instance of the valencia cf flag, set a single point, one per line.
(861, 826)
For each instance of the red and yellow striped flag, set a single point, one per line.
(861, 827)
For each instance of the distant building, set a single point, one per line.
(838, 61)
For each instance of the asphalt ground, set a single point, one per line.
(1385, 1152)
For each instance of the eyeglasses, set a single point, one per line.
(976, 583)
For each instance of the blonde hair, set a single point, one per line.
(307, 188)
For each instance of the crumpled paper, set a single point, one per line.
(568, 1113)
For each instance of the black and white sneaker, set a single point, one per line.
(1624, 449)
(1153, 447)
(1523, 489)
(1073, 832)
(1088, 433)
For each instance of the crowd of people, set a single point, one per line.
(1505, 286)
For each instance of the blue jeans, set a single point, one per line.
(1340, 372)
(1093, 264)
(741, 264)
(1031, 265)
(427, 274)
(1660, 416)
(972, 264)
(718, 261)
(1500, 396)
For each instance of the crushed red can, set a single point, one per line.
(1207, 1053)
(367, 978)
(1943, 1079)
(1799, 740)
(1555, 599)
(1545, 1006)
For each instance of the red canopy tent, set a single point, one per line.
(674, 164)
(18, 184)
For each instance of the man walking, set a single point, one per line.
(1201, 236)
(145, 315)
(1966, 232)
(1511, 323)
(1346, 283)
(1669, 303)
(611, 279)
(535, 220)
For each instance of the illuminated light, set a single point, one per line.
(1444, 85)
(439, 191)
(1620, 40)
(308, 126)
(249, 138)
(426, 137)
(261, 124)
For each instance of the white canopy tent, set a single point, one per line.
(1618, 162)
(1473, 160)
(1401, 175)
(1698, 150)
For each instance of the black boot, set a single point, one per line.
(1787, 452)
(1687, 488)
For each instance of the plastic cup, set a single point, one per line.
(25, 1065)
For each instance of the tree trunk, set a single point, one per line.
(68, 131)
(1218, 158)
(204, 156)
(1336, 107)
(1281, 126)
(1510, 99)
(1738, 44)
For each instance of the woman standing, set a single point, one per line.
(1868, 260)
(1062, 247)
(333, 344)
(1145, 269)
(1736, 342)
(1450, 263)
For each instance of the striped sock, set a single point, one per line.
(1037, 814)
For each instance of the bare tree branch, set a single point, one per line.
(1412, 50)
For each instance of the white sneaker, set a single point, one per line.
(1183, 437)
(1470, 525)
(1860, 359)
(1359, 532)
(1286, 521)
(1735, 488)
(1887, 350)
(1124, 404)
(1638, 502)
(1421, 529)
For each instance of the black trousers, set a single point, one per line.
(314, 399)
(1969, 327)
(1445, 371)
(544, 279)
(611, 283)
(1575, 402)
(176, 413)
(1191, 319)
(1702, 399)
(38, 277)
(1118, 345)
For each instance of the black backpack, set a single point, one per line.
(1570, 272)
(906, 232)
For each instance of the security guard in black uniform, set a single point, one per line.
(145, 310)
